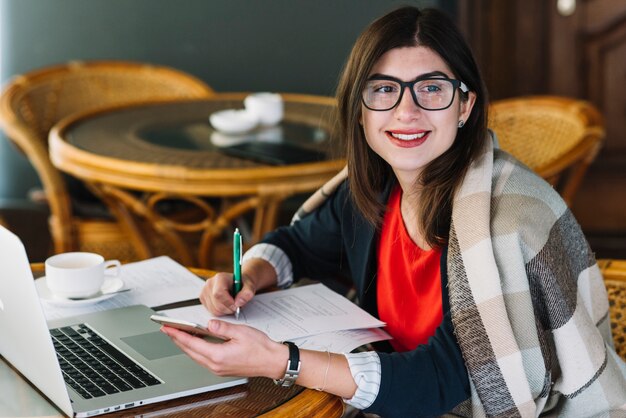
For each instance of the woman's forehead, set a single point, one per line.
(407, 63)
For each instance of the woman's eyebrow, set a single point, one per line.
(433, 74)
(421, 76)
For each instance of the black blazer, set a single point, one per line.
(336, 240)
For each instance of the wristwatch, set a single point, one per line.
(293, 366)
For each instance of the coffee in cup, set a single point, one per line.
(78, 274)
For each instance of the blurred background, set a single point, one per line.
(570, 48)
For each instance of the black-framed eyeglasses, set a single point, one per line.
(430, 93)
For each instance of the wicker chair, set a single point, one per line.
(33, 102)
(557, 137)
(614, 272)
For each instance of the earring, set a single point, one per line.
(461, 124)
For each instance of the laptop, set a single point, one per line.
(96, 363)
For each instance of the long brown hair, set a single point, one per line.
(368, 173)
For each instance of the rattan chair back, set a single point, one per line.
(557, 137)
(31, 103)
(614, 272)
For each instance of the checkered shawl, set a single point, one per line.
(528, 303)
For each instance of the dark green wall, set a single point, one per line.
(233, 45)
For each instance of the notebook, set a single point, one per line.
(127, 361)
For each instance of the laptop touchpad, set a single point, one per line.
(153, 345)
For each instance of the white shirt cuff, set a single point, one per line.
(365, 369)
(277, 258)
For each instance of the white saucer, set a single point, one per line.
(233, 121)
(109, 285)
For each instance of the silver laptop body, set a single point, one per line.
(26, 343)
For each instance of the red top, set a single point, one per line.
(409, 282)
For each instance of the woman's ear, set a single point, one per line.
(467, 106)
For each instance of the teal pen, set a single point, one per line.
(237, 243)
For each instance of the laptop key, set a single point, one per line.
(69, 331)
(119, 357)
(82, 392)
(109, 389)
(134, 382)
(147, 378)
(56, 332)
(121, 385)
(151, 381)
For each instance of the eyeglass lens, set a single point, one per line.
(431, 94)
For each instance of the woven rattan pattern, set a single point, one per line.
(44, 104)
(557, 137)
(614, 272)
(524, 133)
(32, 103)
(257, 397)
(617, 301)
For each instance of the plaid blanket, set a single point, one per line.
(528, 302)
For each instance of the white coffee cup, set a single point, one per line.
(78, 274)
(268, 108)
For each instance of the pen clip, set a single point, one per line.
(240, 249)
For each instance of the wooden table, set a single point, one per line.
(141, 159)
(259, 397)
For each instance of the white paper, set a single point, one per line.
(342, 341)
(292, 313)
(153, 282)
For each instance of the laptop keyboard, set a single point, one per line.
(93, 367)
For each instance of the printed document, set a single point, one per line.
(304, 311)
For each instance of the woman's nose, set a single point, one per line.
(407, 106)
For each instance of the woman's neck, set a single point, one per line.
(409, 208)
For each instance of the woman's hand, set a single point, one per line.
(216, 294)
(247, 351)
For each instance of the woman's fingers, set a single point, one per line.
(216, 294)
(245, 295)
(217, 297)
(247, 351)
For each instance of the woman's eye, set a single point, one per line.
(430, 88)
(383, 88)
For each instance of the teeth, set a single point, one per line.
(408, 137)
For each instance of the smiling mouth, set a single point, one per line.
(407, 137)
(408, 140)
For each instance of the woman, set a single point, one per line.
(472, 260)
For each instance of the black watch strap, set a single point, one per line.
(293, 366)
